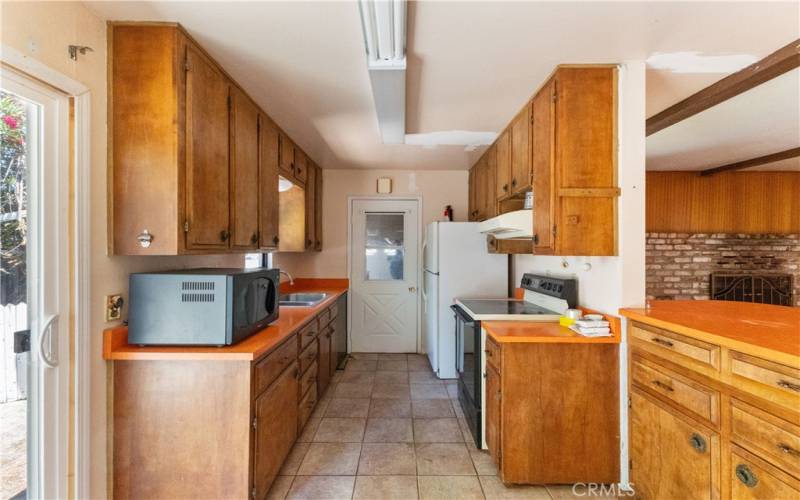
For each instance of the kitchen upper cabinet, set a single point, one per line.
(318, 208)
(207, 135)
(671, 456)
(276, 414)
(244, 168)
(488, 198)
(543, 138)
(472, 211)
(311, 203)
(521, 152)
(268, 184)
(503, 154)
(193, 161)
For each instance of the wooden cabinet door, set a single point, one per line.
(300, 166)
(471, 207)
(754, 478)
(311, 199)
(276, 414)
(269, 201)
(671, 457)
(490, 189)
(318, 209)
(493, 419)
(286, 157)
(520, 151)
(543, 170)
(244, 171)
(503, 145)
(324, 360)
(207, 167)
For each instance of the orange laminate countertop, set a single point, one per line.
(291, 319)
(547, 332)
(776, 328)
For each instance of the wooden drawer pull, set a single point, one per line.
(663, 385)
(698, 443)
(788, 450)
(788, 385)
(746, 476)
(665, 343)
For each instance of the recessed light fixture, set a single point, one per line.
(695, 62)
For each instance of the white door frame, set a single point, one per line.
(12, 60)
(350, 200)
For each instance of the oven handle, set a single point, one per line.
(462, 315)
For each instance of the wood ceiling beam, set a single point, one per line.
(753, 162)
(779, 62)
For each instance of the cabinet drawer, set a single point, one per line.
(774, 438)
(268, 369)
(666, 341)
(308, 357)
(307, 404)
(686, 393)
(753, 478)
(324, 318)
(307, 334)
(309, 378)
(493, 353)
(781, 379)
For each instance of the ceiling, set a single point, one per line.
(304, 62)
(761, 121)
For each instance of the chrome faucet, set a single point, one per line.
(291, 280)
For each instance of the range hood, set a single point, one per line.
(517, 224)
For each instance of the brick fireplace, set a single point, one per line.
(679, 265)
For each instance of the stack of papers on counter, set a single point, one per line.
(589, 328)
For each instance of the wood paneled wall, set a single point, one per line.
(732, 202)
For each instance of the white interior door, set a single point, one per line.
(41, 119)
(384, 275)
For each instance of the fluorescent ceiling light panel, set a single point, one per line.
(470, 140)
(695, 62)
(383, 24)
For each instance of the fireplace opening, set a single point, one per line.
(759, 288)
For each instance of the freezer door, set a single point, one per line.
(430, 292)
(430, 248)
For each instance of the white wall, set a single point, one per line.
(436, 188)
(610, 283)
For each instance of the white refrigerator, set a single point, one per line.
(456, 264)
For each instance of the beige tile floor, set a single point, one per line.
(388, 429)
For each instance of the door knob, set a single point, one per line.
(412, 289)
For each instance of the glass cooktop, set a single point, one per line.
(504, 307)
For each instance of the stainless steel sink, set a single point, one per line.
(302, 299)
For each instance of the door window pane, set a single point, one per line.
(384, 246)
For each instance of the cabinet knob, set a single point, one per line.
(254, 238)
(535, 239)
(505, 187)
(275, 239)
(224, 235)
(513, 182)
(698, 443)
(746, 476)
(309, 243)
(318, 245)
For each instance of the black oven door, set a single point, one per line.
(468, 367)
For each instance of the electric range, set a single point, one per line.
(545, 299)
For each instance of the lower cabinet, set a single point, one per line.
(275, 424)
(326, 367)
(671, 457)
(752, 477)
(552, 412)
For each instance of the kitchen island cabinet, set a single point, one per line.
(715, 400)
(216, 422)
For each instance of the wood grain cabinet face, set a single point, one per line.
(244, 169)
(543, 166)
(325, 370)
(207, 181)
(300, 166)
(503, 183)
(752, 478)
(268, 182)
(521, 152)
(471, 205)
(311, 207)
(286, 156)
(489, 197)
(276, 423)
(670, 456)
(317, 208)
(493, 419)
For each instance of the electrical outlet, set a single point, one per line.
(113, 307)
